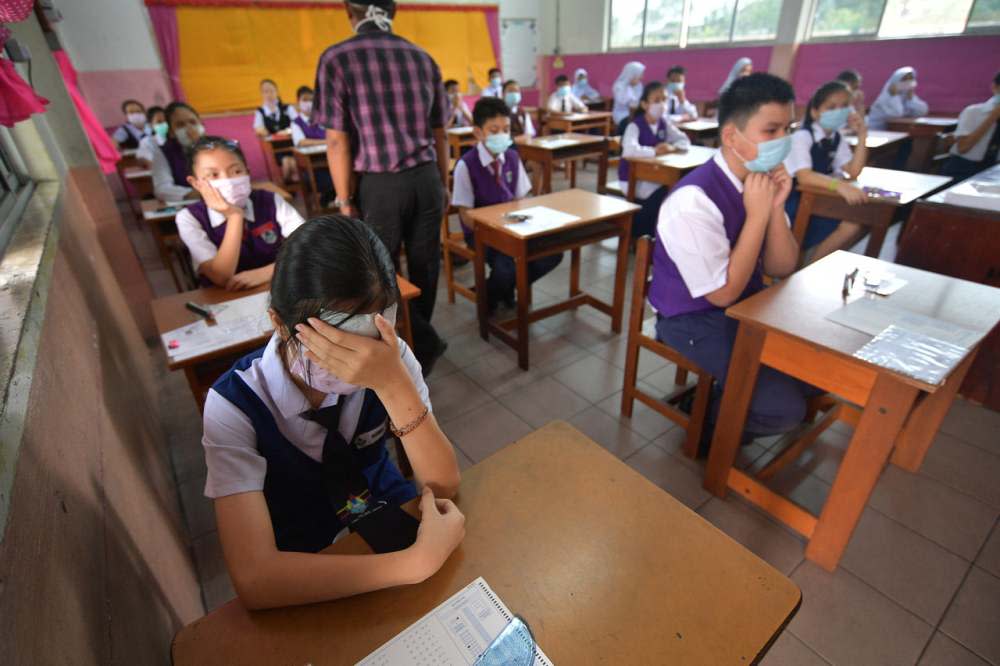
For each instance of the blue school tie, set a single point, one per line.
(343, 470)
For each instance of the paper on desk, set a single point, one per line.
(922, 357)
(455, 633)
(556, 143)
(236, 321)
(541, 218)
(975, 193)
(872, 316)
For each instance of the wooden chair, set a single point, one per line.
(274, 171)
(637, 340)
(453, 243)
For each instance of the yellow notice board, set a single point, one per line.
(226, 51)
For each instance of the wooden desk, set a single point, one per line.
(882, 145)
(666, 169)
(160, 219)
(924, 132)
(201, 372)
(604, 566)
(703, 131)
(547, 150)
(784, 327)
(600, 216)
(569, 123)
(962, 242)
(140, 179)
(459, 138)
(273, 146)
(877, 214)
(309, 159)
(603, 104)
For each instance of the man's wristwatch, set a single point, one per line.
(340, 203)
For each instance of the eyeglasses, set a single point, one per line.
(231, 144)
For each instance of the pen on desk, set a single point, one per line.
(199, 310)
(849, 283)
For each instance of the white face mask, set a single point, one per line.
(906, 86)
(234, 190)
(137, 119)
(184, 138)
(656, 109)
(306, 107)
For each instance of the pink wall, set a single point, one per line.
(105, 90)
(953, 72)
(707, 68)
(240, 128)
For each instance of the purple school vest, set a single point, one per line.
(261, 238)
(646, 138)
(177, 159)
(485, 188)
(310, 131)
(667, 292)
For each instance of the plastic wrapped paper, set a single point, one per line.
(914, 354)
(515, 646)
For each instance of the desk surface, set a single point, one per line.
(877, 138)
(317, 149)
(579, 116)
(992, 175)
(152, 209)
(704, 125)
(693, 157)
(135, 173)
(278, 137)
(798, 306)
(545, 142)
(911, 186)
(927, 121)
(604, 566)
(588, 206)
(460, 131)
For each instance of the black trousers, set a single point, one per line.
(407, 207)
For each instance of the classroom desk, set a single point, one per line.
(877, 214)
(459, 138)
(600, 216)
(599, 104)
(784, 327)
(961, 241)
(140, 179)
(547, 150)
(309, 159)
(556, 123)
(604, 566)
(272, 146)
(666, 169)
(160, 219)
(924, 132)
(882, 144)
(704, 131)
(202, 371)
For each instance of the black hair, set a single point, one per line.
(494, 70)
(561, 79)
(676, 69)
(271, 81)
(748, 93)
(335, 263)
(849, 76)
(449, 83)
(508, 83)
(996, 79)
(152, 111)
(303, 90)
(132, 101)
(647, 90)
(487, 108)
(209, 142)
(823, 93)
(173, 107)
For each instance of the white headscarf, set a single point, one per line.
(583, 88)
(630, 71)
(896, 77)
(734, 73)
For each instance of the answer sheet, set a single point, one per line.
(540, 218)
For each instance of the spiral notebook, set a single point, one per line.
(455, 633)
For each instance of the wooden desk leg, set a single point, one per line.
(197, 390)
(801, 223)
(405, 324)
(885, 412)
(925, 420)
(877, 234)
(743, 368)
(621, 270)
(574, 272)
(547, 166)
(602, 173)
(633, 181)
(482, 304)
(523, 288)
(571, 166)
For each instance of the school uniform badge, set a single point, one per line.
(267, 232)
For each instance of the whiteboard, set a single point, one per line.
(519, 47)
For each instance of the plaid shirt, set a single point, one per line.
(386, 93)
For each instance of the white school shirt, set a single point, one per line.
(492, 91)
(298, 136)
(529, 127)
(202, 248)
(147, 147)
(626, 98)
(127, 130)
(799, 156)
(235, 464)
(164, 187)
(568, 104)
(258, 117)
(632, 148)
(693, 232)
(972, 117)
(458, 115)
(462, 193)
(894, 106)
(676, 109)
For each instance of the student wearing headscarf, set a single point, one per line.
(898, 99)
(582, 88)
(742, 67)
(627, 92)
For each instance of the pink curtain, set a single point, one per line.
(493, 24)
(17, 100)
(164, 20)
(104, 147)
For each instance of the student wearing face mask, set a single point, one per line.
(495, 87)
(679, 108)
(273, 116)
(819, 156)
(582, 88)
(562, 100)
(977, 139)
(627, 91)
(852, 79)
(723, 228)
(306, 133)
(295, 434)
(459, 114)
(648, 135)
(898, 99)
(156, 120)
(492, 173)
(171, 166)
(520, 119)
(135, 128)
(234, 232)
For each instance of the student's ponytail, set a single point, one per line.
(821, 95)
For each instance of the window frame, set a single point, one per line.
(874, 36)
(683, 42)
(15, 190)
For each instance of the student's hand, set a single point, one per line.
(782, 186)
(663, 148)
(249, 279)
(358, 360)
(442, 528)
(758, 196)
(687, 117)
(213, 199)
(857, 123)
(681, 96)
(855, 196)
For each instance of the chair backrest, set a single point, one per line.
(641, 280)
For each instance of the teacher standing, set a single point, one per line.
(383, 105)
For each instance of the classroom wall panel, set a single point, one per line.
(106, 89)
(94, 566)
